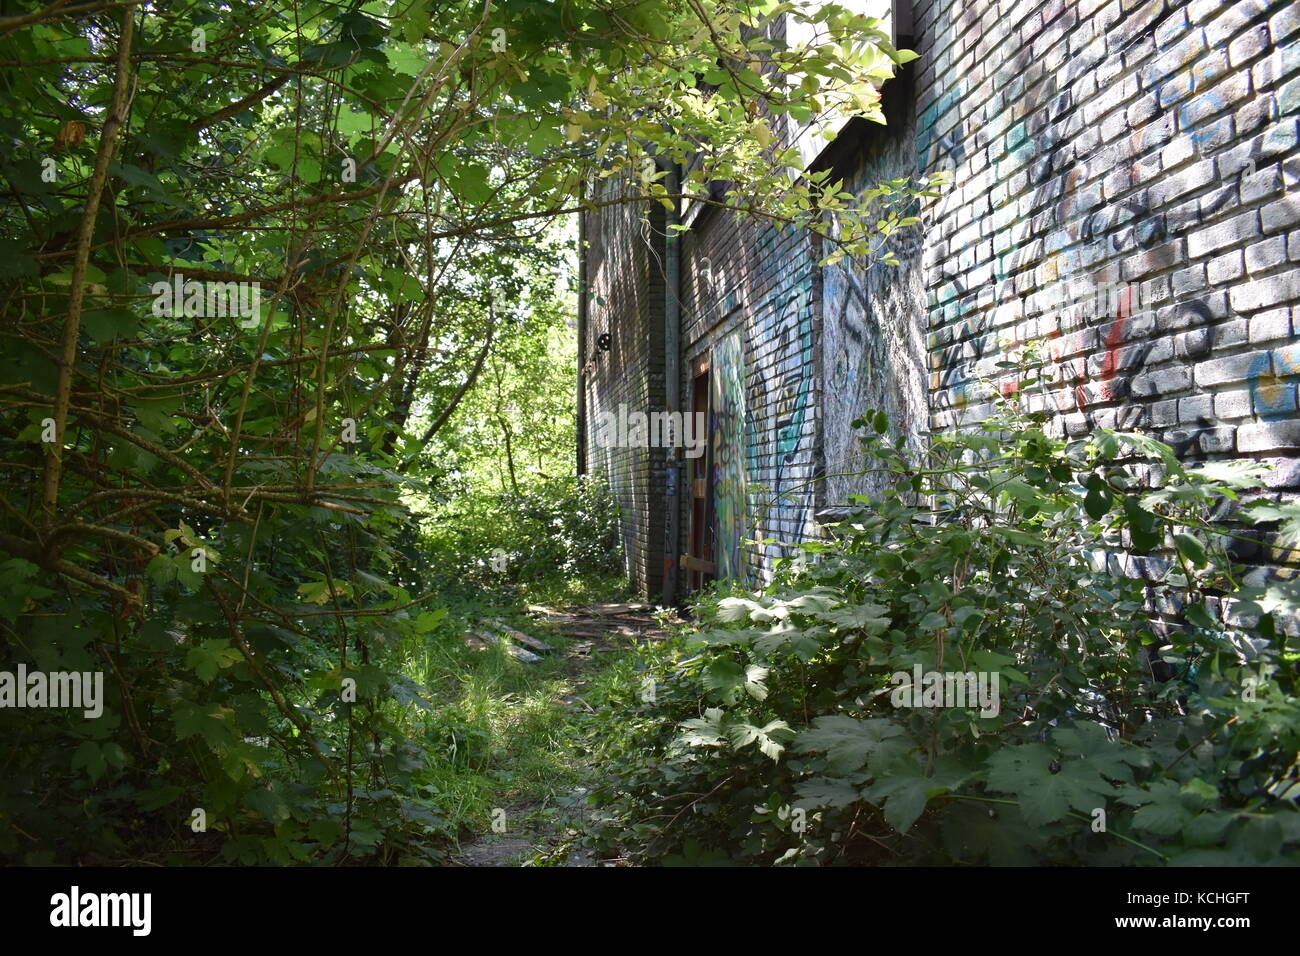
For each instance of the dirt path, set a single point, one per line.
(533, 831)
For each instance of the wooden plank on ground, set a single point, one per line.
(514, 650)
(519, 637)
(614, 610)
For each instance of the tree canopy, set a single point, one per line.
(254, 258)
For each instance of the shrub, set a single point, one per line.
(561, 527)
(1147, 707)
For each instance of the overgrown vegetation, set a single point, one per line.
(1148, 710)
(285, 370)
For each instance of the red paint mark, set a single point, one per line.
(1111, 364)
(1058, 348)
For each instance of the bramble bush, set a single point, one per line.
(1148, 697)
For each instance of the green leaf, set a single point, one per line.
(15, 262)
(847, 742)
(1142, 526)
(826, 792)
(1099, 499)
(212, 722)
(155, 798)
(1197, 615)
(1190, 548)
(1263, 837)
(103, 325)
(706, 731)
(1045, 797)
(1112, 759)
(90, 757)
(209, 657)
(723, 674)
(767, 737)
(267, 804)
(325, 831)
(18, 587)
(870, 617)
(428, 620)
(904, 790)
(1162, 810)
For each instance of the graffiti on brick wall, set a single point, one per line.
(791, 378)
(871, 349)
(1112, 195)
(931, 147)
(1035, 145)
(780, 390)
(730, 475)
(1273, 379)
(956, 381)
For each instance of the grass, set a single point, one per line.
(505, 734)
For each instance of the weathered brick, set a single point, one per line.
(1162, 381)
(1211, 136)
(1194, 343)
(1229, 19)
(1217, 440)
(1195, 407)
(1232, 404)
(1285, 22)
(1227, 370)
(1181, 183)
(1265, 292)
(1177, 151)
(1248, 46)
(1230, 232)
(1262, 256)
(1252, 116)
(1283, 214)
(1163, 413)
(1227, 334)
(1266, 182)
(1269, 436)
(1226, 267)
(1188, 281)
(1270, 326)
(1282, 472)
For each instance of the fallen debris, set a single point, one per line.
(519, 637)
(613, 610)
(547, 611)
(514, 650)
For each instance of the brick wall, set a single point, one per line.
(873, 343)
(1147, 151)
(625, 299)
(749, 284)
(1140, 157)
